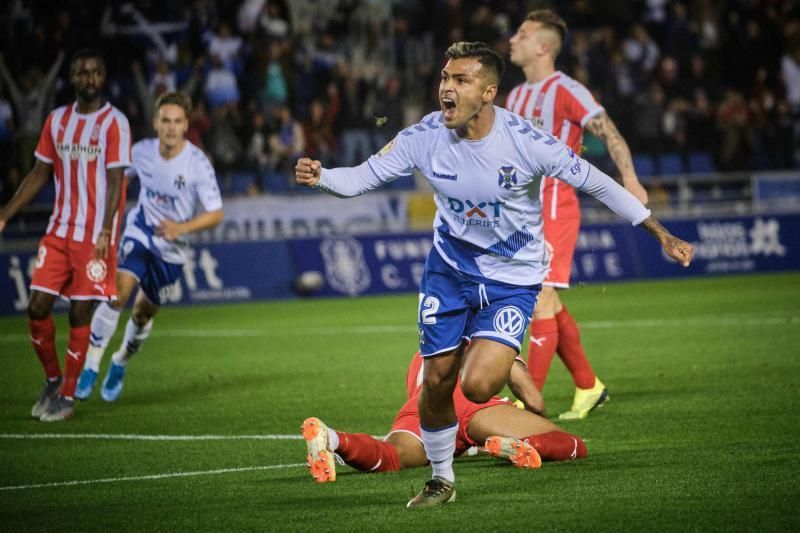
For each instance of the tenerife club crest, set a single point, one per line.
(180, 182)
(508, 177)
(345, 267)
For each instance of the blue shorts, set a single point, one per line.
(156, 276)
(453, 308)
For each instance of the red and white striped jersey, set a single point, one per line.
(81, 147)
(562, 106)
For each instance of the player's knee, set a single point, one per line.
(38, 310)
(476, 391)
(432, 381)
(140, 317)
(80, 314)
(436, 384)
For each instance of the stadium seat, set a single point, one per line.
(275, 183)
(701, 163)
(670, 164)
(644, 165)
(240, 182)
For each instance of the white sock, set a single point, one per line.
(132, 342)
(333, 440)
(440, 445)
(104, 324)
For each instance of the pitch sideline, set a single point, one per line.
(149, 477)
(133, 436)
(703, 321)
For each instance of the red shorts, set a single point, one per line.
(407, 418)
(68, 268)
(560, 236)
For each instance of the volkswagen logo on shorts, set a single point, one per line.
(96, 270)
(509, 321)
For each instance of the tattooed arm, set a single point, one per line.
(604, 129)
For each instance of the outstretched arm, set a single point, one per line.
(522, 386)
(679, 250)
(13, 89)
(628, 207)
(602, 127)
(27, 190)
(341, 182)
(50, 78)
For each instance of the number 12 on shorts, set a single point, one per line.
(428, 308)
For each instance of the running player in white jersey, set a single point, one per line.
(485, 269)
(176, 182)
(562, 106)
(85, 147)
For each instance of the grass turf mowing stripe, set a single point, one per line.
(733, 320)
(106, 436)
(149, 477)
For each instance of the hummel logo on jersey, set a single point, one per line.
(508, 177)
(75, 355)
(180, 182)
(37, 342)
(451, 177)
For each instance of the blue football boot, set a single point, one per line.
(85, 384)
(112, 385)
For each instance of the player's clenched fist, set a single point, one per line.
(679, 250)
(307, 171)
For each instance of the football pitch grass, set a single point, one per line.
(702, 431)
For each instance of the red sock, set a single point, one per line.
(366, 453)
(544, 339)
(557, 446)
(571, 351)
(76, 355)
(43, 337)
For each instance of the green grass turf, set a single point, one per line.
(701, 432)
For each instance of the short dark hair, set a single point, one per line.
(87, 53)
(485, 54)
(178, 98)
(550, 20)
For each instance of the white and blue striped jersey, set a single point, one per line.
(171, 189)
(488, 223)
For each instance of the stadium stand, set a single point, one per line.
(696, 86)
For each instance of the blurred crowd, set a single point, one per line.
(335, 79)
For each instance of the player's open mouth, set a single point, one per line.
(448, 108)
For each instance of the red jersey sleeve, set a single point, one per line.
(118, 142)
(46, 149)
(579, 104)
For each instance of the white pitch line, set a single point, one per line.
(703, 321)
(149, 477)
(123, 436)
